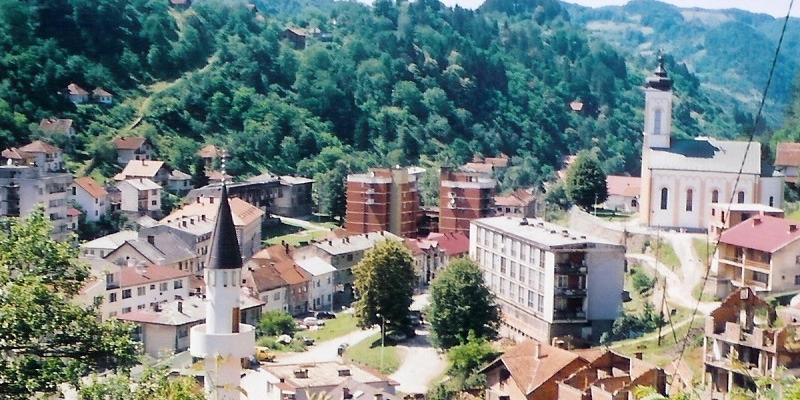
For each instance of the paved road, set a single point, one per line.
(325, 351)
(421, 364)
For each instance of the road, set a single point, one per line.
(421, 364)
(325, 351)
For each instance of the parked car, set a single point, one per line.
(415, 317)
(325, 315)
(308, 341)
(264, 354)
(312, 321)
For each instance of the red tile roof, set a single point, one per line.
(100, 92)
(517, 198)
(625, 186)
(787, 154)
(38, 146)
(74, 89)
(91, 186)
(128, 143)
(453, 244)
(73, 212)
(208, 151)
(533, 364)
(129, 276)
(55, 125)
(764, 233)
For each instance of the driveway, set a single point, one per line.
(325, 351)
(421, 364)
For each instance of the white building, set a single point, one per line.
(140, 195)
(549, 281)
(103, 246)
(681, 178)
(320, 292)
(91, 196)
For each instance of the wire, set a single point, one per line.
(739, 174)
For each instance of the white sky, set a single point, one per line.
(776, 8)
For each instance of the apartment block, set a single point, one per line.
(743, 344)
(549, 281)
(463, 197)
(762, 253)
(34, 175)
(382, 199)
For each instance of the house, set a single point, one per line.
(33, 175)
(726, 215)
(682, 178)
(134, 149)
(296, 36)
(623, 193)
(742, 344)
(294, 197)
(343, 254)
(179, 182)
(300, 381)
(612, 376)
(519, 203)
(209, 153)
(165, 249)
(266, 284)
(285, 195)
(163, 328)
(140, 196)
(383, 199)
(454, 244)
(549, 281)
(201, 213)
(463, 197)
(76, 94)
(72, 218)
(132, 287)
(278, 259)
(530, 370)
(428, 257)
(100, 95)
(320, 285)
(57, 127)
(90, 196)
(216, 177)
(787, 160)
(761, 253)
(102, 246)
(155, 171)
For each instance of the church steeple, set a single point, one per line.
(224, 250)
(657, 108)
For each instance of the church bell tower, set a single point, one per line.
(657, 108)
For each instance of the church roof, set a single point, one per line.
(224, 252)
(705, 154)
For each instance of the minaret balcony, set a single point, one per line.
(237, 345)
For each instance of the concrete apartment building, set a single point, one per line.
(382, 199)
(32, 175)
(287, 196)
(762, 253)
(549, 281)
(463, 197)
(742, 344)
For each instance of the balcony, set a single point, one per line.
(570, 269)
(757, 264)
(570, 292)
(569, 315)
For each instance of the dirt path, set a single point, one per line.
(421, 364)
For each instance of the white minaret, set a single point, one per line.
(657, 108)
(222, 341)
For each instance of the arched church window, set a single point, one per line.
(689, 200)
(657, 115)
(715, 196)
(740, 197)
(664, 196)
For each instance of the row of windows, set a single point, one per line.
(511, 247)
(740, 197)
(142, 290)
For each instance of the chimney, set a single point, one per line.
(381, 233)
(203, 217)
(792, 228)
(330, 242)
(198, 199)
(143, 163)
(756, 221)
(538, 351)
(638, 355)
(211, 200)
(344, 372)
(346, 393)
(344, 241)
(180, 307)
(286, 248)
(152, 239)
(378, 396)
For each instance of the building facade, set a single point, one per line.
(91, 196)
(549, 281)
(382, 199)
(463, 197)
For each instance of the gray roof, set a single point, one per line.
(315, 266)
(112, 241)
(360, 242)
(541, 233)
(708, 155)
(193, 311)
(167, 249)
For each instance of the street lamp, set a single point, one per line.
(383, 335)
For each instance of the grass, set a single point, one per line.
(333, 328)
(665, 254)
(368, 352)
(669, 350)
(703, 249)
(702, 296)
(296, 239)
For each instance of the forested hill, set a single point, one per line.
(730, 51)
(397, 83)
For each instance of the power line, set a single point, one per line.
(739, 174)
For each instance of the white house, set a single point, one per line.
(321, 282)
(103, 246)
(140, 195)
(92, 197)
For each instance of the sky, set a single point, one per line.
(776, 8)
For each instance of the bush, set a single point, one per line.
(274, 323)
(642, 282)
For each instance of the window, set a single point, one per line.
(349, 257)
(277, 296)
(126, 293)
(178, 284)
(541, 258)
(154, 192)
(112, 297)
(740, 197)
(797, 279)
(126, 310)
(540, 304)
(502, 265)
(163, 286)
(715, 196)
(153, 202)
(771, 201)
(689, 195)
(760, 277)
(140, 307)
(513, 269)
(531, 296)
(502, 286)
(521, 295)
(657, 115)
(74, 191)
(562, 281)
(664, 197)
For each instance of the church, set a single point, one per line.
(681, 178)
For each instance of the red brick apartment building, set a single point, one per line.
(383, 199)
(463, 197)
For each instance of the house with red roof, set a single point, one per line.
(133, 148)
(102, 96)
(57, 127)
(519, 203)
(90, 196)
(787, 160)
(454, 244)
(428, 257)
(75, 94)
(278, 261)
(762, 253)
(623, 193)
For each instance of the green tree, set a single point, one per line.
(466, 358)
(45, 338)
(586, 181)
(275, 322)
(384, 284)
(461, 303)
(152, 383)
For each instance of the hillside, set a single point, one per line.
(730, 51)
(398, 83)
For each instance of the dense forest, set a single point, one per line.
(395, 83)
